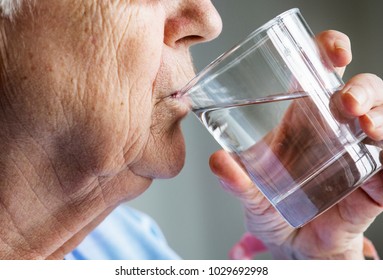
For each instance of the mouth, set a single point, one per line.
(182, 98)
(177, 95)
(178, 104)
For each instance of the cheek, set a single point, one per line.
(140, 50)
(138, 62)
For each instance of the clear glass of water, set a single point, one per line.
(266, 101)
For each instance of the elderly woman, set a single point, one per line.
(89, 117)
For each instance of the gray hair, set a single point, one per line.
(9, 7)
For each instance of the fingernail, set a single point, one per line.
(375, 119)
(357, 95)
(339, 44)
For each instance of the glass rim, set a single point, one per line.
(212, 65)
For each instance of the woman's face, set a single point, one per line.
(97, 78)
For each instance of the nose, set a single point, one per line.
(190, 22)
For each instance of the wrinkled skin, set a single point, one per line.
(87, 113)
(88, 121)
(338, 233)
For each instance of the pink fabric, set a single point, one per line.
(369, 250)
(247, 248)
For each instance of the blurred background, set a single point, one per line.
(201, 221)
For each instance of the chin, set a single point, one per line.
(163, 159)
(175, 159)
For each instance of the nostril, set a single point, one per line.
(190, 40)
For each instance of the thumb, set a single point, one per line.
(262, 219)
(236, 181)
(232, 177)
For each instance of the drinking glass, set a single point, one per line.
(267, 102)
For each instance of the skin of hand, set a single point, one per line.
(337, 233)
(88, 117)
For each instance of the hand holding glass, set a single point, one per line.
(267, 102)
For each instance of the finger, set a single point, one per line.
(374, 189)
(235, 180)
(352, 215)
(337, 47)
(362, 206)
(361, 93)
(358, 97)
(262, 219)
(372, 123)
(230, 173)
